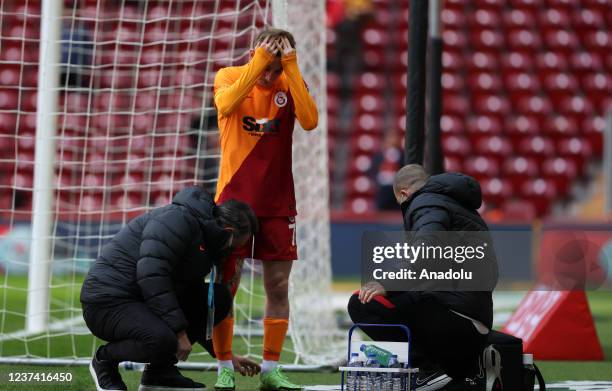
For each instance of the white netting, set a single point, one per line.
(135, 124)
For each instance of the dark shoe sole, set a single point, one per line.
(92, 371)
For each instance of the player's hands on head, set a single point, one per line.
(284, 47)
(183, 347)
(370, 290)
(244, 366)
(269, 45)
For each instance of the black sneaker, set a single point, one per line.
(430, 380)
(106, 375)
(167, 379)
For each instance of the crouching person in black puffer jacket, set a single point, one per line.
(145, 294)
(449, 328)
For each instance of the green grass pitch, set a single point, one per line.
(13, 298)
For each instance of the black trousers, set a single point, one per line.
(439, 336)
(135, 333)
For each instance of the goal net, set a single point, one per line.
(105, 112)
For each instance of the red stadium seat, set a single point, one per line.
(360, 205)
(519, 169)
(483, 19)
(554, 18)
(561, 41)
(8, 123)
(360, 165)
(492, 105)
(485, 82)
(481, 167)
(494, 146)
(362, 186)
(374, 60)
(537, 147)
(451, 124)
(454, 40)
(519, 126)
(479, 126)
(369, 104)
(561, 126)
(551, 62)
(521, 84)
(587, 19)
(456, 146)
(453, 18)
(370, 82)
(560, 85)
(483, 61)
(518, 19)
(453, 164)
(455, 104)
(365, 144)
(578, 106)
(517, 62)
(541, 193)
(10, 75)
(597, 87)
(496, 190)
(592, 129)
(598, 41)
(487, 40)
(524, 40)
(452, 82)
(575, 148)
(535, 105)
(8, 98)
(561, 171)
(452, 61)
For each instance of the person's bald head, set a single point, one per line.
(408, 180)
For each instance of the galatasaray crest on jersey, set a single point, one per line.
(280, 99)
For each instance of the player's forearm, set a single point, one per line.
(227, 99)
(305, 107)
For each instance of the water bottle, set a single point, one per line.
(352, 378)
(374, 378)
(394, 379)
(383, 356)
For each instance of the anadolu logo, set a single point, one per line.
(280, 99)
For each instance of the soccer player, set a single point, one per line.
(257, 105)
(145, 294)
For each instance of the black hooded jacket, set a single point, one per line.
(158, 255)
(448, 202)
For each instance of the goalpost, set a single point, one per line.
(105, 112)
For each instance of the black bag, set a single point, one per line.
(514, 375)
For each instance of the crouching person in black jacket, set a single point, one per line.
(449, 328)
(145, 294)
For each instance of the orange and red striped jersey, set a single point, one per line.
(256, 129)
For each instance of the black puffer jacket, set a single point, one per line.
(448, 202)
(158, 254)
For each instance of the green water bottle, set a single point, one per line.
(382, 356)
